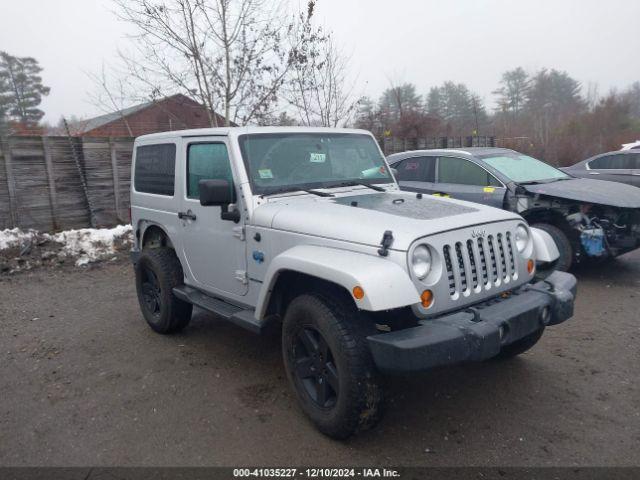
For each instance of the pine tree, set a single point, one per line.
(460, 108)
(512, 93)
(21, 89)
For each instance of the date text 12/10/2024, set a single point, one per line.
(315, 473)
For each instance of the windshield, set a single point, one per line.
(522, 168)
(279, 162)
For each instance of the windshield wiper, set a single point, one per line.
(319, 193)
(288, 190)
(543, 181)
(354, 183)
(529, 182)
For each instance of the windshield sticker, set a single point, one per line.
(411, 166)
(317, 157)
(265, 173)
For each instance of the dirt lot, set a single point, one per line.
(84, 381)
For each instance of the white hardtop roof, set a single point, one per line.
(236, 131)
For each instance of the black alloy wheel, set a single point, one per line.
(151, 292)
(316, 368)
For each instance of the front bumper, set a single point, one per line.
(479, 332)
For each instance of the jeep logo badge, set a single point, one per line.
(478, 233)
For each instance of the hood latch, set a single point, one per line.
(387, 240)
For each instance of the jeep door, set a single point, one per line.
(463, 179)
(214, 249)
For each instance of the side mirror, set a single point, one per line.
(216, 193)
(219, 193)
(394, 171)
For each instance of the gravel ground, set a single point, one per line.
(84, 381)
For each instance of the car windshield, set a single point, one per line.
(522, 168)
(281, 162)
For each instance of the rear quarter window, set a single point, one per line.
(612, 162)
(155, 169)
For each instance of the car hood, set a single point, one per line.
(364, 217)
(590, 191)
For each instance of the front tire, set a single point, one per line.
(158, 271)
(328, 362)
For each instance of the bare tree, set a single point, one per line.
(318, 87)
(111, 95)
(226, 54)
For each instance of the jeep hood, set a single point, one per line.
(364, 217)
(587, 190)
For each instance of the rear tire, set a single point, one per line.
(565, 261)
(158, 271)
(520, 346)
(329, 364)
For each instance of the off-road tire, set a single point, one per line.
(565, 261)
(171, 314)
(358, 404)
(520, 346)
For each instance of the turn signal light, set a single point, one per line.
(531, 266)
(426, 298)
(358, 292)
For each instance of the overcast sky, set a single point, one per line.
(421, 41)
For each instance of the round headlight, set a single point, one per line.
(522, 238)
(421, 261)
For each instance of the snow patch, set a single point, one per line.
(90, 244)
(14, 237)
(86, 245)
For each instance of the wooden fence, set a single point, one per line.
(394, 145)
(58, 183)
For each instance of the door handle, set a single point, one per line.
(594, 173)
(188, 214)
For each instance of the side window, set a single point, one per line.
(155, 170)
(417, 169)
(612, 162)
(206, 161)
(464, 172)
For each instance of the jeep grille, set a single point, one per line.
(479, 263)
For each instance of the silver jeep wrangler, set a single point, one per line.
(306, 227)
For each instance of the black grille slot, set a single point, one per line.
(512, 262)
(463, 272)
(492, 256)
(472, 261)
(483, 262)
(447, 261)
(503, 261)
